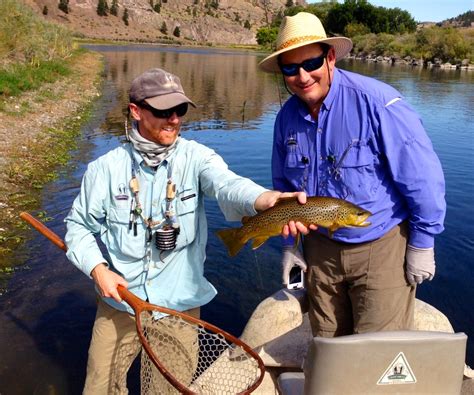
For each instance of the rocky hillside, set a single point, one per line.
(188, 21)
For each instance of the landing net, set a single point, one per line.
(203, 361)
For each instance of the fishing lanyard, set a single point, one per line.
(166, 230)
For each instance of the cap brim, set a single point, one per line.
(163, 102)
(342, 46)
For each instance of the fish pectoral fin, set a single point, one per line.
(258, 241)
(331, 230)
(297, 240)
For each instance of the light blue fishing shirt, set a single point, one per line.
(368, 146)
(102, 209)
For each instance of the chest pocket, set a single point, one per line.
(358, 173)
(187, 200)
(296, 168)
(120, 240)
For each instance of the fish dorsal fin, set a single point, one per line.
(258, 241)
(245, 219)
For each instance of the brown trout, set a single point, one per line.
(327, 212)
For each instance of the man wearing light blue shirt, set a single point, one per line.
(348, 136)
(145, 200)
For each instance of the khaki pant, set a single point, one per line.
(114, 346)
(358, 288)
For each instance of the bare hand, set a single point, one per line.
(293, 228)
(107, 282)
(269, 198)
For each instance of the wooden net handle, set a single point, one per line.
(139, 305)
(44, 230)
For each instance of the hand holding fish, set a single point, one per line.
(328, 212)
(268, 199)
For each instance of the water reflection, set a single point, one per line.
(227, 87)
(48, 310)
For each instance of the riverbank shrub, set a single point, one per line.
(26, 38)
(380, 31)
(21, 78)
(443, 43)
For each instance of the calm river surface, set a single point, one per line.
(47, 306)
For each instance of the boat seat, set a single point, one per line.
(392, 362)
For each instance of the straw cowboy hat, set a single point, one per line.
(300, 30)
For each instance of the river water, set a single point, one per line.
(47, 306)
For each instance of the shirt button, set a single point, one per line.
(320, 130)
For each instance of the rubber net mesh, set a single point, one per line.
(202, 360)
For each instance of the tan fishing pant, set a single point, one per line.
(358, 288)
(114, 346)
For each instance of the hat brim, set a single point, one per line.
(342, 46)
(163, 102)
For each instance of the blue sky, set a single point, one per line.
(426, 10)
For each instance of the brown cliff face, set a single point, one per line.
(198, 21)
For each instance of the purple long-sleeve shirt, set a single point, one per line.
(369, 147)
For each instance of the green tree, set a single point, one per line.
(157, 7)
(164, 28)
(45, 10)
(377, 19)
(266, 36)
(355, 29)
(102, 8)
(114, 8)
(176, 31)
(125, 17)
(64, 6)
(247, 24)
(445, 43)
(289, 3)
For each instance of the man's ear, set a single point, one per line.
(331, 56)
(134, 111)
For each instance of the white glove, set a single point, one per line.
(291, 256)
(420, 264)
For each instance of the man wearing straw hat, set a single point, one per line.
(345, 135)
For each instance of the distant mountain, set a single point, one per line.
(198, 21)
(463, 20)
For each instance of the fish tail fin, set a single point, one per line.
(232, 239)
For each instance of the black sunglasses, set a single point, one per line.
(180, 110)
(308, 65)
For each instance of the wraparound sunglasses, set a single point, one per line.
(308, 65)
(180, 110)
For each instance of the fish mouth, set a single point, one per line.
(364, 224)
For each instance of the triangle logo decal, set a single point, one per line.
(398, 372)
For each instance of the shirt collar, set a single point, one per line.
(336, 79)
(303, 109)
